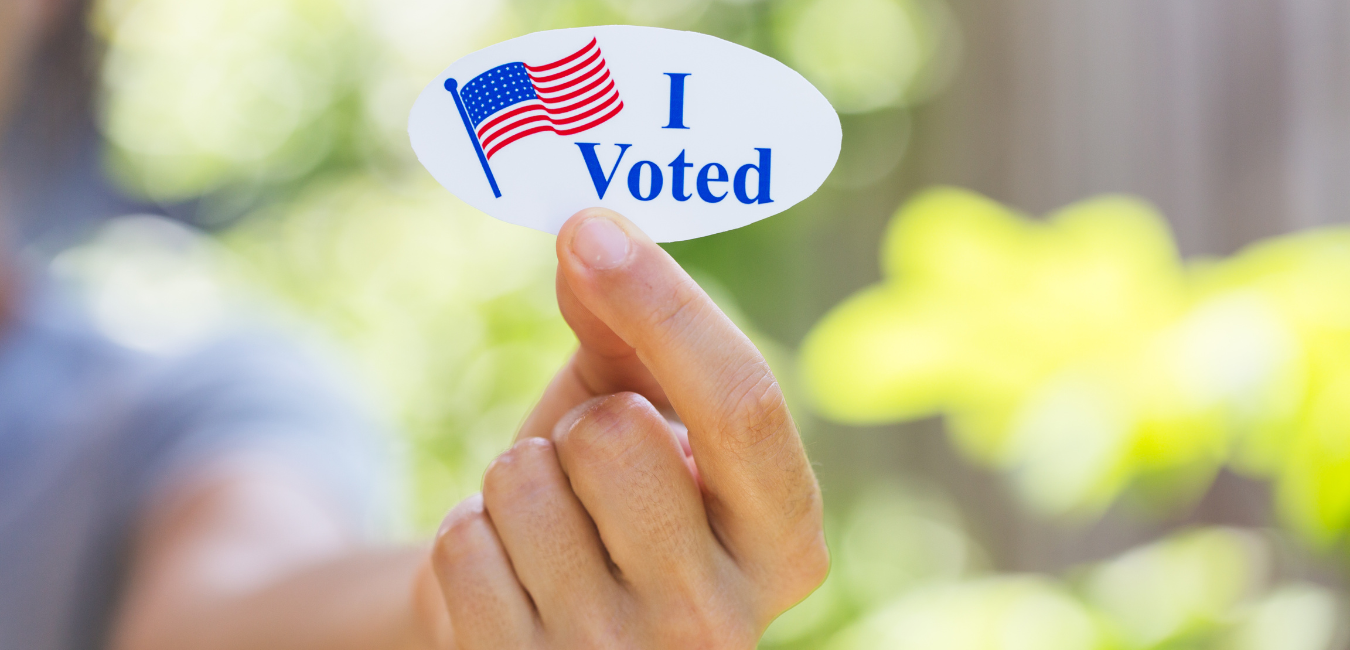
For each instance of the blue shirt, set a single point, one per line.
(89, 431)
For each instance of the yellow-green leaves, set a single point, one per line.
(1200, 588)
(1188, 583)
(1003, 613)
(1081, 355)
(980, 307)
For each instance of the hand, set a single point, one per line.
(602, 527)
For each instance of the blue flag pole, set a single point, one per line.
(452, 86)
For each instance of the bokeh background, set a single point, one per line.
(1067, 331)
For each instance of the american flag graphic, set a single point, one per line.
(567, 96)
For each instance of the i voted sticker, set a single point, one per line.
(683, 133)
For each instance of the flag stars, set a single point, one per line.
(496, 89)
(510, 85)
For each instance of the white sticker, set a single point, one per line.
(683, 133)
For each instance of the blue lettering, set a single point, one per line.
(677, 177)
(762, 171)
(676, 100)
(593, 165)
(703, 180)
(635, 180)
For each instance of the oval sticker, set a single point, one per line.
(683, 133)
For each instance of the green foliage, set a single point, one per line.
(1082, 356)
(1077, 353)
(251, 97)
(907, 576)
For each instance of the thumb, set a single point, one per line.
(603, 364)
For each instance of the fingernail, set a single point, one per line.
(600, 243)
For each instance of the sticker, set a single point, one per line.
(683, 133)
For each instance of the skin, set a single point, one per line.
(599, 528)
(606, 525)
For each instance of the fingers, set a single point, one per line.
(764, 500)
(603, 364)
(552, 543)
(602, 532)
(487, 605)
(626, 466)
(606, 364)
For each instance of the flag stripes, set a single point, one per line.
(571, 95)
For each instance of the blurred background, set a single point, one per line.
(1067, 331)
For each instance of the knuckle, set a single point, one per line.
(520, 470)
(459, 539)
(801, 564)
(757, 409)
(683, 304)
(808, 568)
(609, 427)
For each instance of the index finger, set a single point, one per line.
(763, 495)
(602, 365)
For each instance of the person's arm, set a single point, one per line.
(244, 554)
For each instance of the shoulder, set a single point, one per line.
(254, 392)
(144, 419)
